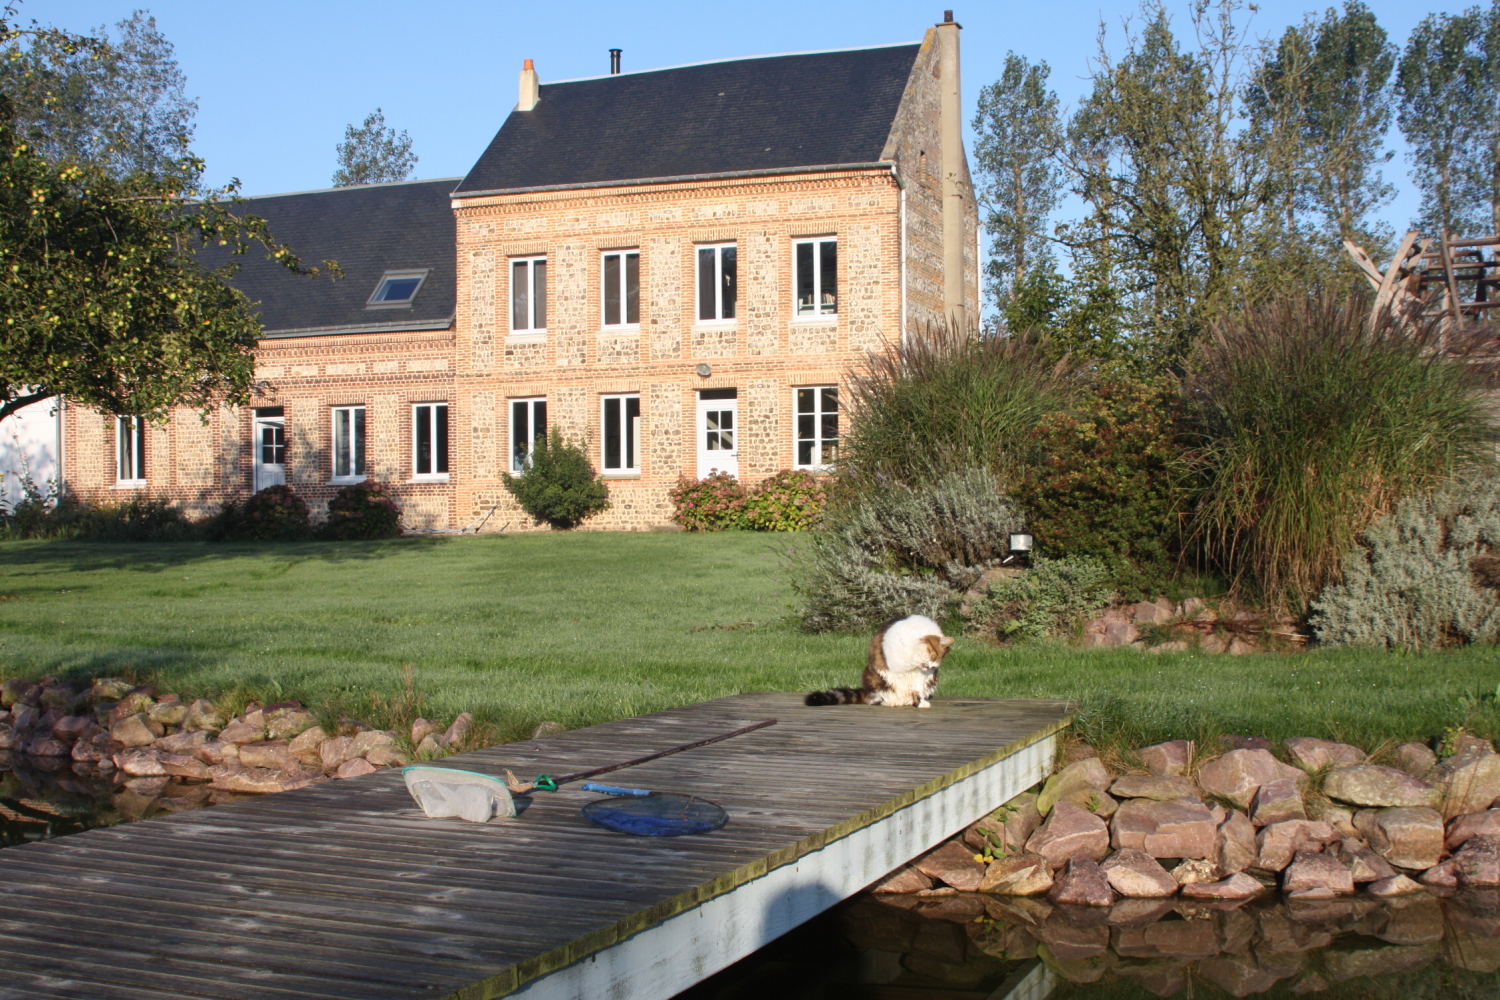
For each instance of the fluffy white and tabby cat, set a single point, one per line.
(902, 668)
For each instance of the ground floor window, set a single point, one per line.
(130, 450)
(817, 425)
(528, 425)
(348, 442)
(430, 439)
(622, 433)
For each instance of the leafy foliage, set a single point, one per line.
(713, 503)
(560, 485)
(1052, 599)
(1307, 421)
(791, 500)
(373, 154)
(1110, 480)
(57, 513)
(362, 511)
(1424, 576)
(275, 513)
(904, 550)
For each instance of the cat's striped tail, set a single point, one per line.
(838, 696)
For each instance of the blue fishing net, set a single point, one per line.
(660, 814)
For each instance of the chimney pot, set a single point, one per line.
(614, 61)
(947, 17)
(527, 65)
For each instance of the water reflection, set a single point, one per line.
(1421, 947)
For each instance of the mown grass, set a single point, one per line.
(581, 628)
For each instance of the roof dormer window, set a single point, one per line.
(397, 289)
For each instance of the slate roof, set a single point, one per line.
(369, 230)
(767, 113)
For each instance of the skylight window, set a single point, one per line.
(397, 289)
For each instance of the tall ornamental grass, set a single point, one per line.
(1305, 421)
(945, 401)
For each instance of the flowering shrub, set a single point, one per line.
(788, 501)
(276, 513)
(362, 511)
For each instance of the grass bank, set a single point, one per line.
(581, 628)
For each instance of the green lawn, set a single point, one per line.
(591, 626)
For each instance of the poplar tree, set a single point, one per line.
(1442, 106)
(373, 154)
(1018, 132)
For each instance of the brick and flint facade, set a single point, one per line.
(564, 284)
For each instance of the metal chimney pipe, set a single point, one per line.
(614, 61)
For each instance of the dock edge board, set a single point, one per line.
(644, 956)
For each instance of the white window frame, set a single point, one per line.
(532, 404)
(718, 319)
(356, 448)
(818, 438)
(625, 322)
(821, 311)
(630, 438)
(443, 457)
(532, 327)
(130, 465)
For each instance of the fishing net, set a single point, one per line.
(448, 793)
(660, 814)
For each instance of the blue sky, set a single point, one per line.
(277, 81)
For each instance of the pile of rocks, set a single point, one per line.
(1191, 624)
(1328, 824)
(151, 739)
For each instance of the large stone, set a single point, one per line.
(215, 752)
(1085, 775)
(1082, 884)
(1007, 828)
(184, 742)
(242, 731)
(951, 863)
(168, 713)
(387, 757)
(422, 728)
(92, 750)
(1469, 782)
(1442, 876)
(202, 715)
(284, 723)
(71, 728)
(1235, 848)
(1363, 864)
(1310, 870)
(363, 743)
(458, 731)
(333, 753)
(261, 781)
(305, 745)
(1314, 755)
(1237, 775)
(1414, 758)
(1101, 804)
(1372, 785)
(134, 731)
(1169, 759)
(47, 745)
(8, 736)
(1070, 832)
(903, 879)
(1486, 824)
(1276, 802)
(1335, 814)
(1406, 837)
(137, 700)
(1150, 786)
(273, 755)
(183, 766)
(18, 692)
(1150, 613)
(1278, 843)
(356, 768)
(1478, 863)
(1137, 874)
(1237, 886)
(1024, 874)
(430, 748)
(1396, 885)
(1172, 829)
(139, 763)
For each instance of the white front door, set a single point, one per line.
(718, 437)
(270, 452)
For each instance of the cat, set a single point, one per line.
(902, 668)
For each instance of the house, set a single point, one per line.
(674, 268)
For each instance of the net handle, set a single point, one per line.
(549, 784)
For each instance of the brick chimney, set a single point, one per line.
(531, 87)
(951, 134)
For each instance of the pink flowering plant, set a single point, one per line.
(788, 501)
(362, 511)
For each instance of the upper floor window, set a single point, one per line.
(429, 428)
(718, 282)
(622, 433)
(528, 295)
(396, 289)
(817, 264)
(528, 425)
(621, 270)
(817, 426)
(349, 442)
(130, 450)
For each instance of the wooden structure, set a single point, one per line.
(1449, 280)
(345, 890)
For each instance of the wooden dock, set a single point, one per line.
(345, 890)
